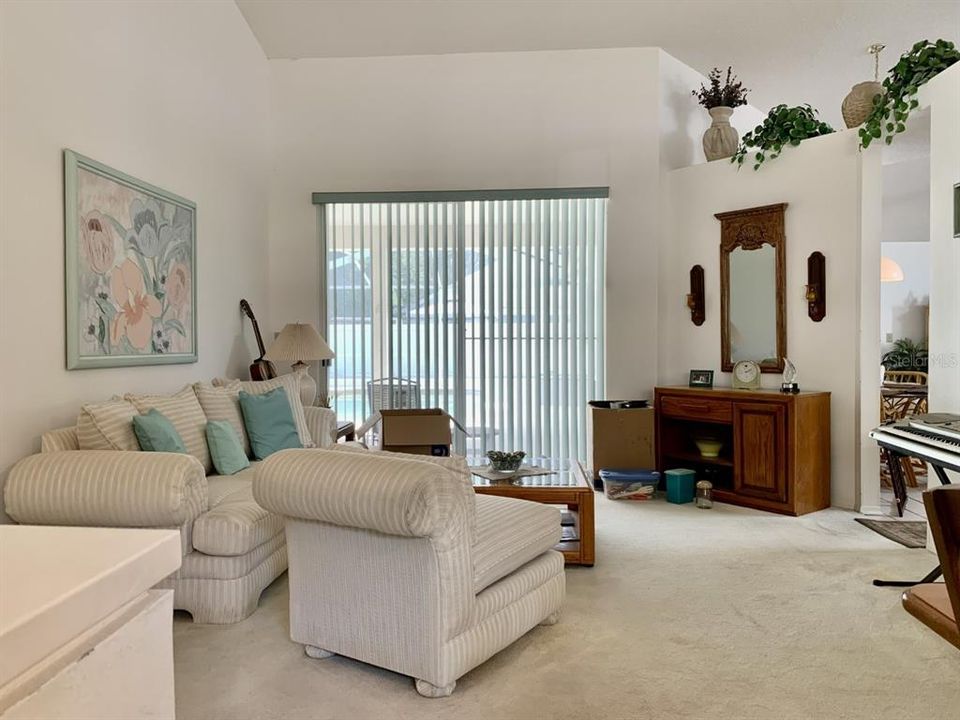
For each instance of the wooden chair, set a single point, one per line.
(898, 407)
(914, 377)
(393, 394)
(937, 605)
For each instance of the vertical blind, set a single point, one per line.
(490, 307)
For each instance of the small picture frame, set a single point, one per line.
(701, 378)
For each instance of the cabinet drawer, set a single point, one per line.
(691, 408)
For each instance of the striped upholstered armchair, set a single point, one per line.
(396, 562)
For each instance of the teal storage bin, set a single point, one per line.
(681, 486)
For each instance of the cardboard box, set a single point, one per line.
(623, 439)
(419, 432)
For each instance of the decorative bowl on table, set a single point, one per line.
(505, 462)
(709, 447)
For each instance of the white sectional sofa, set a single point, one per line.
(232, 547)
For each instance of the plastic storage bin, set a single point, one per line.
(681, 485)
(629, 484)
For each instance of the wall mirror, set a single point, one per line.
(753, 321)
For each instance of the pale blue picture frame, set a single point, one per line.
(76, 357)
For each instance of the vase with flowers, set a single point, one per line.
(720, 96)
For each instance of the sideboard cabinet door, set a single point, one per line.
(760, 441)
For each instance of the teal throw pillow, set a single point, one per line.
(156, 434)
(225, 448)
(269, 422)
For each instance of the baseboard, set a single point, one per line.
(871, 510)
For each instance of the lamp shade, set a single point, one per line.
(299, 342)
(890, 271)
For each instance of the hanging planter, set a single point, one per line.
(893, 106)
(783, 126)
(858, 104)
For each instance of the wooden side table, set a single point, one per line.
(568, 486)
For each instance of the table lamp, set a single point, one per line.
(301, 342)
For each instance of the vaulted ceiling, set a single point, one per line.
(790, 51)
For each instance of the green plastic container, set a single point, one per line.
(681, 486)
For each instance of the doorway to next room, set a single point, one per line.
(905, 299)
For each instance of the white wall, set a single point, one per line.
(493, 120)
(867, 276)
(903, 305)
(906, 200)
(905, 236)
(942, 96)
(171, 92)
(821, 182)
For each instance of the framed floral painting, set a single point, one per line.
(131, 269)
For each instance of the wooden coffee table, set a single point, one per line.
(568, 485)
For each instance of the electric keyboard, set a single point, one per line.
(906, 439)
(945, 424)
(931, 438)
(913, 438)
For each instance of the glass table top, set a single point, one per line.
(559, 475)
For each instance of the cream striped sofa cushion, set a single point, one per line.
(234, 524)
(223, 403)
(456, 464)
(183, 410)
(394, 496)
(107, 426)
(106, 488)
(229, 567)
(60, 439)
(510, 532)
(290, 383)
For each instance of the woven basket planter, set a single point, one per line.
(859, 102)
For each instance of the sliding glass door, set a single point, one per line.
(487, 305)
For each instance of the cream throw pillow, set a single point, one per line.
(290, 383)
(223, 403)
(107, 426)
(184, 412)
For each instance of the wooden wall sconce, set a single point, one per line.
(695, 296)
(816, 290)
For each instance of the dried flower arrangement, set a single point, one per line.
(730, 93)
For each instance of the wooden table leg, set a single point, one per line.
(587, 541)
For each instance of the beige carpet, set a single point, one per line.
(689, 613)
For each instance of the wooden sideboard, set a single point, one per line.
(776, 446)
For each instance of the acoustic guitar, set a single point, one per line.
(261, 368)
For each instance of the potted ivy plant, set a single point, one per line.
(720, 97)
(893, 105)
(783, 126)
